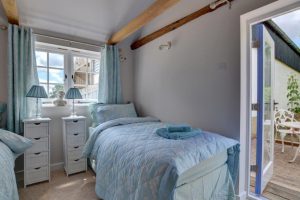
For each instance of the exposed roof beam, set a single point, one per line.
(157, 8)
(11, 11)
(207, 9)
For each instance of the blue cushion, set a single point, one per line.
(16, 143)
(101, 113)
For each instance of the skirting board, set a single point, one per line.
(54, 166)
(242, 196)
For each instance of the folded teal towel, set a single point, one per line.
(163, 132)
(179, 128)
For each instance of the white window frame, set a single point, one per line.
(69, 53)
(88, 56)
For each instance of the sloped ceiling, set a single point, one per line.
(92, 19)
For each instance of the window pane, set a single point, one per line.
(56, 76)
(80, 64)
(56, 60)
(80, 78)
(41, 58)
(54, 89)
(82, 90)
(42, 74)
(86, 76)
(91, 92)
(93, 79)
(45, 86)
(93, 65)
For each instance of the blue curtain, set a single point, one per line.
(109, 76)
(21, 76)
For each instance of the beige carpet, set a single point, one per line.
(75, 187)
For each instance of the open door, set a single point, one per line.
(265, 108)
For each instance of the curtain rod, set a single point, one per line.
(71, 41)
(4, 27)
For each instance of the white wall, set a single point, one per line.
(282, 73)
(198, 80)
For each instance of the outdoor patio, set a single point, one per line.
(285, 183)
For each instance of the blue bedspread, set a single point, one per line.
(8, 186)
(134, 163)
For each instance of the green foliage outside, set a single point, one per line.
(53, 93)
(293, 94)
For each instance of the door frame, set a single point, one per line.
(246, 21)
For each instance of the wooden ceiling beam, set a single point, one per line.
(157, 8)
(207, 9)
(11, 11)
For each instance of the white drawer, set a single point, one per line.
(37, 175)
(75, 154)
(75, 147)
(39, 145)
(76, 139)
(37, 160)
(76, 165)
(36, 130)
(75, 126)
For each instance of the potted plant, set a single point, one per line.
(293, 96)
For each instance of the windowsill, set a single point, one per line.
(66, 106)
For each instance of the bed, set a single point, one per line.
(8, 186)
(132, 162)
(11, 146)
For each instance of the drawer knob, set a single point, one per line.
(37, 153)
(37, 123)
(75, 121)
(37, 168)
(76, 160)
(37, 138)
(76, 147)
(76, 134)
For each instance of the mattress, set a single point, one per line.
(190, 175)
(202, 169)
(191, 183)
(201, 181)
(92, 162)
(209, 179)
(8, 186)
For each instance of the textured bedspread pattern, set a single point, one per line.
(134, 163)
(8, 187)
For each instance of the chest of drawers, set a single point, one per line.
(37, 157)
(74, 137)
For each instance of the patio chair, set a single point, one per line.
(280, 117)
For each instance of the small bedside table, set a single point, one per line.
(74, 137)
(37, 157)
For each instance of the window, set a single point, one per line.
(86, 76)
(61, 68)
(50, 68)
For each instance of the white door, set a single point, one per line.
(265, 122)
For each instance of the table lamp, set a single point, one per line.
(73, 93)
(37, 92)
